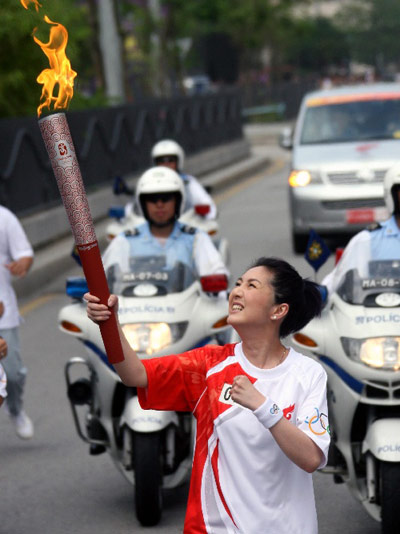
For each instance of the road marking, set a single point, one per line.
(276, 166)
(36, 303)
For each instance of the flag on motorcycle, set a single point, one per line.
(317, 251)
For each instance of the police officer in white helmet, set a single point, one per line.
(169, 153)
(380, 241)
(160, 197)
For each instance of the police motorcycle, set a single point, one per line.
(357, 340)
(162, 311)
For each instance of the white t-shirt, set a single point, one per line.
(13, 245)
(3, 383)
(242, 482)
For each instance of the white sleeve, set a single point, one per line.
(312, 416)
(206, 257)
(198, 195)
(3, 382)
(18, 243)
(355, 256)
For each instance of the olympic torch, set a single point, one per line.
(60, 148)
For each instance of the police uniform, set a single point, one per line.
(196, 194)
(185, 244)
(379, 242)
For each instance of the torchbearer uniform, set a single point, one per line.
(242, 482)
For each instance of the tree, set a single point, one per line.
(21, 59)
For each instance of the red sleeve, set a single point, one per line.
(174, 382)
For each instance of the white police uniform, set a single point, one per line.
(185, 244)
(196, 194)
(381, 242)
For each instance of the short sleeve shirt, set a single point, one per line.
(13, 245)
(242, 482)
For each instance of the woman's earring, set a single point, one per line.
(274, 317)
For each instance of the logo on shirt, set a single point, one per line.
(287, 412)
(225, 396)
(318, 423)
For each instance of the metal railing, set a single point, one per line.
(111, 142)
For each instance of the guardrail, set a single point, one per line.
(110, 142)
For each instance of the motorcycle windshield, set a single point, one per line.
(380, 288)
(149, 276)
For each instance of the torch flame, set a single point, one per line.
(60, 71)
(26, 3)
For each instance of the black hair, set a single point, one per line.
(395, 195)
(302, 296)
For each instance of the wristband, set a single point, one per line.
(268, 413)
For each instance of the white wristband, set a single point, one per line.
(268, 413)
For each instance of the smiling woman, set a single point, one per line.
(253, 402)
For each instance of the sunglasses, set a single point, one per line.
(156, 197)
(166, 159)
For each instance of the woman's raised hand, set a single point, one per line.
(98, 312)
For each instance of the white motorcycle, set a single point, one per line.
(162, 311)
(357, 340)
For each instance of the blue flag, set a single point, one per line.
(317, 251)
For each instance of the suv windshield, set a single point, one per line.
(149, 276)
(380, 288)
(357, 120)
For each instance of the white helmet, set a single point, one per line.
(392, 178)
(160, 180)
(168, 147)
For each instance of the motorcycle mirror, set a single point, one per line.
(214, 283)
(338, 254)
(202, 209)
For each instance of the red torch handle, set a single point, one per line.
(61, 150)
(97, 283)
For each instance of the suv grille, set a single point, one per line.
(353, 204)
(339, 178)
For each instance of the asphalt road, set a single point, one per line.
(50, 485)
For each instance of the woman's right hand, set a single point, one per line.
(98, 312)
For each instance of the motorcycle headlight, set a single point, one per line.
(301, 178)
(378, 352)
(148, 338)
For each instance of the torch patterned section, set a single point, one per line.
(57, 138)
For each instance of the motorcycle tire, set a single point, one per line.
(390, 497)
(148, 477)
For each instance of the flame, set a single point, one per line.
(26, 3)
(60, 71)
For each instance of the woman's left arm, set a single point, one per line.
(297, 446)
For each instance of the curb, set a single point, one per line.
(54, 259)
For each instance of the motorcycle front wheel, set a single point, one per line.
(390, 497)
(148, 477)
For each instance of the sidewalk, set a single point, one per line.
(54, 259)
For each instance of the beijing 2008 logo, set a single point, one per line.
(62, 149)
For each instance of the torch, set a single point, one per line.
(60, 148)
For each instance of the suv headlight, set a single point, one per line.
(148, 338)
(302, 178)
(378, 352)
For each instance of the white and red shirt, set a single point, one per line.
(241, 481)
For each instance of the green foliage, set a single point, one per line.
(21, 59)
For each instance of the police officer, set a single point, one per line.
(170, 154)
(381, 241)
(160, 196)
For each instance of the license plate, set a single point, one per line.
(366, 215)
